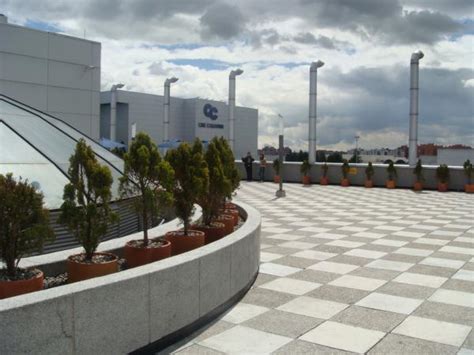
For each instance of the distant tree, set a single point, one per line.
(353, 159)
(296, 156)
(335, 157)
(400, 161)
(320, 156)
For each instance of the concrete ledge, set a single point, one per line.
(406, 178)
(126, 311)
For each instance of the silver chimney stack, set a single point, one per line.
(232, 76)
(313, 79)
(166, 108)
(113, 111)
(413, 140)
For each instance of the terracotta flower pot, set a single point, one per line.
(276, 179)
(79, 270)
(369, 184)
(442, 187)
(213, 232)
(390, 184)
(324, 180)
(345, 182)
(469, 188)
(20, 287)
(138, 255)
(228, 222)
(230, 206)
(306, 180)
(181, 243)
(233, 213)
(418, 186)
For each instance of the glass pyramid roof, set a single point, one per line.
(37, 147)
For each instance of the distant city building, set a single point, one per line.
(189, 119)
(51, 72)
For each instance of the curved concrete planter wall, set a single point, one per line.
(120, 313)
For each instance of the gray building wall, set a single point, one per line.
(54, 73)
(187, 119)
(455, 156)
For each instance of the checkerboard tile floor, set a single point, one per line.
(353, 270)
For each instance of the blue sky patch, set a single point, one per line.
(206, 64)
(43, 26)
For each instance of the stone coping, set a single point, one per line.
(128, 310)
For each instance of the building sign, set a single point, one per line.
(210, 112)
(353, 171)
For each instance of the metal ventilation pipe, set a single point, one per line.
(166, 106)
(313, 79)
(232, 76)
(113, 111)
(413, 139)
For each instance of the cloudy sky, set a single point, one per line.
(363, 89)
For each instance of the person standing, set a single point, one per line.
(263, 164)
(248, 160)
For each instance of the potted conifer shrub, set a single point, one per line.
(305, 170)
(24, 228)
(230, 171)
(369, 173)
(392, 175)
(468, 171)
(442, 174)
(345, 173)
(190, 183)
(87, 214)
(276, 167)
(418, 172)
(211, 202)
(147, 180)
(324, 178)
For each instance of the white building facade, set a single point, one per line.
(51, 72)
(189, 119)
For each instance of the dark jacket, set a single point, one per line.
(248, 160)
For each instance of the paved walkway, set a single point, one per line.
(353, 270)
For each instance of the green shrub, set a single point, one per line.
(86, 208)
(324, 169)
(276, 166)
(391, 171)
(468, 170)
(442, 173)
(369, 171)
(418, 171)
(191, 179)
(345, 169)
(24, 223)
(148, 179)
(305, 167)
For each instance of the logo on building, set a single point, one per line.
(210, 111)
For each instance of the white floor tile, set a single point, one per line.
(265, 257)
(358, 282)
(314, 229)
(389, 265)
(332, 236)
(441, 262)
(466, 275)
(397, 304)
(458, 298)
(313, 307)
(433, 330)
(286, 236)
(343, 336)
(242, 312)
(277, 269)
(457, 250)
(353, 229)
(336, 268)
(244, 340)
(313, 254)
(291, 286)
(407, 234)
(276, 230)
(345, 244)
(365, 253)
(389, 242)
(413, 251)
(420, 279)
(431, 241)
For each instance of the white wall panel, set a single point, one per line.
(23, 68)
(31, 94)
(25, 41)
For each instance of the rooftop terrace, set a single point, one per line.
(353, 269)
